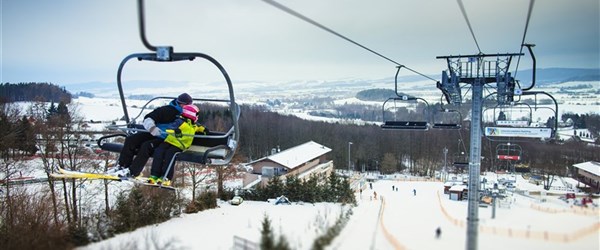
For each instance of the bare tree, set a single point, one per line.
(196, 175)
(389, 163)
(223, 173)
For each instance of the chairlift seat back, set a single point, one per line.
(202, 149)
(414, 125)
(446, 126)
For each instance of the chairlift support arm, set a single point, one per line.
(534, 69)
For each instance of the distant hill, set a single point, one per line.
(376, 94)
(544, 77)
(33, 91)
(128, 86)
(559, 75)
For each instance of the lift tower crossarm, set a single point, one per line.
(480, 55)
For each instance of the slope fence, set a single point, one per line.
(587, 211)
(395, 243)
(526, 234)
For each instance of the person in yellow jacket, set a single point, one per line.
(180, 136)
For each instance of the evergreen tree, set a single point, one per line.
(51, 111)
(266, 238)
(6, 137)
(275, 187)
(311, 190)
(332, 188)
(26, 137)
(63, 112)
(282, 243)
(293, 188)
(346, 194)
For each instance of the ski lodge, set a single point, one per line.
(303, 161)
(588, 173)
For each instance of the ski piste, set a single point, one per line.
(70, 174)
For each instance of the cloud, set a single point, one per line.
(78, 41)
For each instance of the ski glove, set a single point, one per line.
(155, 131)
(151, 127)
(177, 133)
(202, 130)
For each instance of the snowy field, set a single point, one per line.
(395, 220)
(535, 219)
(216, 228)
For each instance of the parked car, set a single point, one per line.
(236, 200)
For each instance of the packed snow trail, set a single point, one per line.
(361, 232)
(411, 222)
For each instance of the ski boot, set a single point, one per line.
(153, 180)
(164, 182)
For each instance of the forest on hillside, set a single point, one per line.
(33, 91)
(419, 152)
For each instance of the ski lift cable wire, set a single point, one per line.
(531, 3)
(315, 23)
(464, 13)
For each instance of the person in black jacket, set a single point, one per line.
(138, 147)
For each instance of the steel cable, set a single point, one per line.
(315, 23)
(531, 2)
(464, 13)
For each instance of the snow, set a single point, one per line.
(535, 219)
(529, 218)
(590, 166)
(216, 228)
(396, 220)
(294, 157)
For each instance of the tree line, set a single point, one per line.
(419, 152)
(33, 91)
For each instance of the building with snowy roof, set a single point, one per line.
(589, 174)
(302, 160)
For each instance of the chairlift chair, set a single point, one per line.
(444, 118)
(215, 148)
(514, 121)
(403, 124)
(461, 160)
(508, 152)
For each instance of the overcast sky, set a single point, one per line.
(74, 41)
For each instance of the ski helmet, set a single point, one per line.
(190, 111)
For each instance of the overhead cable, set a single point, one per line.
(315, 23)
(531, 2)
(464, 13)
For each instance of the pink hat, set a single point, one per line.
(190, 111)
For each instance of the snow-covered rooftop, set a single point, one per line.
(297, 155)
(589, 166)
(458, 188)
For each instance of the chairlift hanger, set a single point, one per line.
(404, 124)
(461, 160)
(216, 148)
(508, 154)
(509, 151)
(444, 124)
